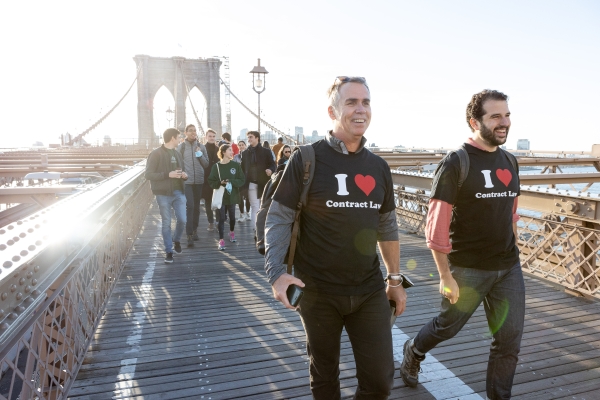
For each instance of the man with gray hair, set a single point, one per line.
(350, 210)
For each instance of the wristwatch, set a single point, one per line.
(395, 277)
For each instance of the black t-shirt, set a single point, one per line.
(481, 226)
(336, 252)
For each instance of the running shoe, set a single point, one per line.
(177, 247)
(232, 236)
(221, 245)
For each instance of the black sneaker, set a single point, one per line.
(195, 235)
(190, 240)
(411, 366)
(177, 247)
(169, 258)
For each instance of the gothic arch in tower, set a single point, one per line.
(177, 74)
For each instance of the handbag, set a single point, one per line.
(217, 197)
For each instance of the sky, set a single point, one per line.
(65, 63)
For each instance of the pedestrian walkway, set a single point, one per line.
(207, 327)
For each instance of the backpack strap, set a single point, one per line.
(307, 153)
(463, 158)
(512, 159)
(464, 162)
(308, 158)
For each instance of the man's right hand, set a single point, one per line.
(449, 288)
(280, 287)
(175, 174)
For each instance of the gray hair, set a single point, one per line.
(333, 93)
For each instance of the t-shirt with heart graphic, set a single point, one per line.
(338, 232)
(481, 227)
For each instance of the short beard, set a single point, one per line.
(490, 138)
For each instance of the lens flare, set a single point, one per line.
(467, 292)
(363, 239)
(411, 264)
(499, 317)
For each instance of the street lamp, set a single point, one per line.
(258, 84)
(170, 115)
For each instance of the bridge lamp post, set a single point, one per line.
(170, 113)
(258, 84)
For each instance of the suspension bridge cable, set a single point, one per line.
(82, 134)
(268, 125)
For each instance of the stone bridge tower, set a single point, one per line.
(175, 73)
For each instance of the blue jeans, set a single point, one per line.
(193, 194)
(177, 201)
(503, 296)
(367, 322)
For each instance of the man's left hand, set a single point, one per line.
(397, 294)
(269, 172)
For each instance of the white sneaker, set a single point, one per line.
(248, 218)
(241, 218)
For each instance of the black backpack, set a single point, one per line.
(464, 162)
(307, 155)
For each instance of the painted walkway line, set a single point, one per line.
(439, 381)
(127, 371)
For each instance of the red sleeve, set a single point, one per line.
(516, 216)
(236, 149)
(437, 230)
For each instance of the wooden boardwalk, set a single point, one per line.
(206, 327)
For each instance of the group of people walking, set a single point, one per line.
(350, 211)
(183, 173)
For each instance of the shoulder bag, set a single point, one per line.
(217, 197)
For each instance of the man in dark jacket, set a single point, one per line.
(164, 170)
(195, 158)
(258, 165)
(211, 150)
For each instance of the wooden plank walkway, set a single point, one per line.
(206, 327)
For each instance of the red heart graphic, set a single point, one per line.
(504, 175)
(365, 183)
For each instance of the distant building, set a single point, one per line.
(314, 137)
(243, 135)
(523, 144)
(107, 141)
(299, 134)
(269, 136)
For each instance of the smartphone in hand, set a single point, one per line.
(393, 316)
(294, 294)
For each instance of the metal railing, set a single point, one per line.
(555, 247)
(59, 268)
(561, 252)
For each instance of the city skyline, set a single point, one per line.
(422, 61)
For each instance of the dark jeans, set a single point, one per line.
(244, 199)
(367, 322)
(193, 194)
(229, 208)
(503, 296)
(209, 212)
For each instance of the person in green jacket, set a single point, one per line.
(230, 175)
